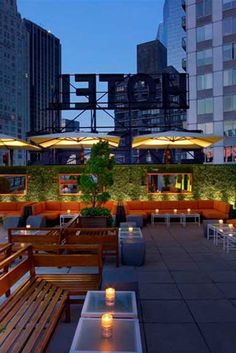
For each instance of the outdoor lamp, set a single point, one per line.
(106, 323)
(110, 294)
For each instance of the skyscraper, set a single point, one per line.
(45, 68)
(211, 64)
(170, 33)
(14, 76)
(151, 57)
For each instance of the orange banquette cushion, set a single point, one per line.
(15, 208)
(209, 209)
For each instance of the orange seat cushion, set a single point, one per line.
(205, 204)
(53, 205)
(70, 205)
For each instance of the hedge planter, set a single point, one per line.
(93, 221)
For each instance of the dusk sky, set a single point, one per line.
(97, 36)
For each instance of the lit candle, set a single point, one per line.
(106, 323)
(156, 210)
(189, 210)
(231, 226)
(68, 211)
(110, 294)
(175, 210)
(221, 222)
(230, 235)
(28, 226)
(130, 229)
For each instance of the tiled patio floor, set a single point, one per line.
(187, 294)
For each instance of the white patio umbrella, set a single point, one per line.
(10, 142)
(174, 140)
(74, 140)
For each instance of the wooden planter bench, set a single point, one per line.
(29, 316)
(107, 237)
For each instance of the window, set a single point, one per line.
(204, 33)
(204, 57)
(229, 4)
(205, 106)
(229, 103)
(207, 128)
(229, 51)
(204, 81)
(230, 77)
(209, 156)
(230, 154)
(204, 8)
(230, 127)
(229, 25)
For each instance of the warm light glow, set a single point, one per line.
(231, 225)
(175, 210)
(156, 210)
(130, 229)
(28, 226)
(22, 244)
(106, 323)
(221, 221)
(189, 210)
(230, 235)
(68, 211)
(110, 293)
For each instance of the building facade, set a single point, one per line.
(151, 60)
(211, 64)
(171, 33)
(14, 76)
(45, 68)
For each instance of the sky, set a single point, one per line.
(97, 35)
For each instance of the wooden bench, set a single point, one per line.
(29, 316)
(39, 237)
(107, 237)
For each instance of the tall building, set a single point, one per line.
(45, 68)
(151, 60)
(170, 33)
(211, 64)
(151, 57)
(14, 73)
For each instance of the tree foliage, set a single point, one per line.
(97, 175)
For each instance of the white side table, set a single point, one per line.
(158, 216)
(124, 306)
(66, 216)
(125, 337)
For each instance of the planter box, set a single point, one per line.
(93, 222)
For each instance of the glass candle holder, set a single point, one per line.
(175, 210)
(106, 325)
(68, 211)
(110, 295)
(28, 226)
(157, 210)
(230, 225)
(188, 210)
(221, 222)
(130, 229)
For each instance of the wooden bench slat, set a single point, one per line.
(22, 316)
(43, 320)
(22, 331)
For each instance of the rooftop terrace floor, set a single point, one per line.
(186, 298)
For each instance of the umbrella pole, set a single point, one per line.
(10, 159)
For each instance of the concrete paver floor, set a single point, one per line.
(187, 294)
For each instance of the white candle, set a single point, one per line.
(110, 294)
(221, 222)
(130, 229)
(231, 226)
(189, 210)
(68, 211)
(106, 323)
(156, 210)
(175, 210)
(28, 226)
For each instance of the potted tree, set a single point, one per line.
(97, 175)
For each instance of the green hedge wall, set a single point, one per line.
(209, 182)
